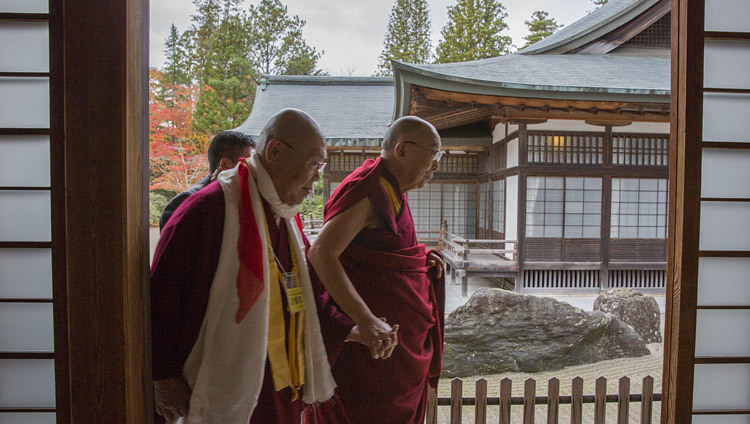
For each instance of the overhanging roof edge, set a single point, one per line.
(493, 88)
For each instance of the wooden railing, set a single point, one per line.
(529, 401)
(461, 247)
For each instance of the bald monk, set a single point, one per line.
(368, 258)
(236, 314)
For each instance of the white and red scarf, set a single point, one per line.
(225, 368)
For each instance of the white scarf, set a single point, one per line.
(268, 190)
(225, 368)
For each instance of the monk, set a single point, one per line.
(237, 316)
(368, 258)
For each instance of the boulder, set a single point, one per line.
(633, 308)
(503, 331)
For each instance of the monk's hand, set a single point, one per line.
(356, 336)
(171, 398)
(434, 260)
(394, 342)
(376, 334)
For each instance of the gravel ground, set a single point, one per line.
(634, 368)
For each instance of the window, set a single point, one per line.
(583, 148)
(498, 206)
(639, 208)
(574, 203)
(637, 149)
(484, 205)
(544, 206)
(424, 204)
(583, 207)
(459, 209)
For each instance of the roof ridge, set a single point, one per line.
(590, 23)
(324, 80)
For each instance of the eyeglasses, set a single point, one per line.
(312, 167)
(436, 154)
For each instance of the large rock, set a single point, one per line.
(633, 308)
(499, 330)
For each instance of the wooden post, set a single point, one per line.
(480, 405)
(431, 405)
(505, 394)
(623, 401)
(465, 276)
(521, 228)
(576, 403)
(553, 400)
(605, 227)
(529, 400)
(647, 399)
(456, 400)
(600, 401)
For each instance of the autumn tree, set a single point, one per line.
(176, 162)
(540, 26)
(408, 35)
(474, 31)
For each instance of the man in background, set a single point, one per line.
(223, 153)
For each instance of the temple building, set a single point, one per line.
(560, 149)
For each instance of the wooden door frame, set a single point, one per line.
(99, 189)
(99, 89)
(686, 129)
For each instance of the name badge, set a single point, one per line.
(294, 297)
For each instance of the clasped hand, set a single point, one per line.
(377, 335)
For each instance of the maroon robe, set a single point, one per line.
(387, 268)
(184, 265)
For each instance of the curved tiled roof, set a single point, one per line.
(594, 24)
(345, 107)
(599, 73)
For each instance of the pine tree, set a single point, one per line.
(229, 80)
(177, 62)
(277, 46)
(408, 35)
(473, 32)
(540, 26)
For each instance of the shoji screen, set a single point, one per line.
(721, 382)
(27, 377)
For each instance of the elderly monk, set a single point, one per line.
(368, 258)
(236, 314)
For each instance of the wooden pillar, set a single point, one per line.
(99, 106)
(521, 236)
(686, 131)
(606, 209)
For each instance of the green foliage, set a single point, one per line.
(276, 42)
(314, 203)
(157, 200)
(599, 2)
(408, 35)
(540, 26)
(177, 60)
(474, 32)
(225, 98)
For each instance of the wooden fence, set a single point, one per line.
(553, 400)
